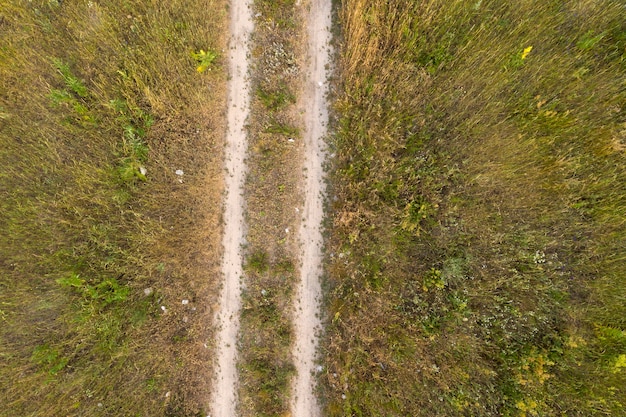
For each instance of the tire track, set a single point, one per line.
(307, 319)
(224, 398)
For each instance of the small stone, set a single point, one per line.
(143, 171)
(297, 210)
(320, 83)
(291, 140)
(319, 368)
(185, 302)
(185, 319)
(264, 293)
(167, 394)
(100, 405)
(343, 396)
(163, 308)
(179, 172)
(147, 291)
(287, 230)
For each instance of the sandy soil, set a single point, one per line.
(224, 397)
(308, 294)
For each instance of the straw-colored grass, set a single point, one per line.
(476, 256)
(272, 196)
(100, 104)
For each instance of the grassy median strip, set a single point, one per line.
(476, 254)
(273, 199)
(111, 131)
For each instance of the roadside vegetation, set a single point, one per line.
(477, 238)
(273, 199)
(111, 131)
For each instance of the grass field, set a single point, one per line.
(477, 240)
(100, 104)
(477, 230)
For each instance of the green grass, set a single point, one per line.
(96, 227)
(476, 245)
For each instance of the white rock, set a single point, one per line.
(185, 302)
(163, 308)
(291, 140)
(179, 172)
(147, 291)
(143, 171)
(287, 230)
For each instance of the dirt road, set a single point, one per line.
(308, 295)
(224, 398)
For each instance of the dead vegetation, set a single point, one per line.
(274, 201)
(476, 250)
(100, 105)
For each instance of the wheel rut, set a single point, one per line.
(223, 402)
(307, 318)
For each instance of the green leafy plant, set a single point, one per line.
(100, 294)
(204, 59)
(49, 359)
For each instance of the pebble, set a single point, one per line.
(185, 302)
(179, 172)
(147, 291)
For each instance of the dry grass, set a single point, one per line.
(272, 196)
(476, 251)
(99, 105)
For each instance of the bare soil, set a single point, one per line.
(307, 319)
(224, 401)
